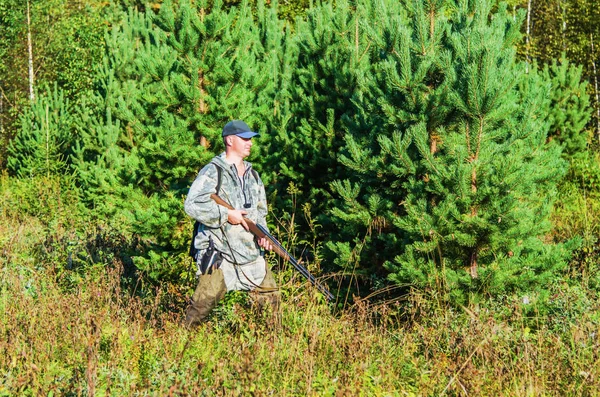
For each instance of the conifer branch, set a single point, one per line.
(431, 22)
(356, 37)
(365, 51)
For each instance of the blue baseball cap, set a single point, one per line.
(239, 128)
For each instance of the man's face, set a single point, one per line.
(240, 146)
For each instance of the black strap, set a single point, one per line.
(193, 250)
(219, 171)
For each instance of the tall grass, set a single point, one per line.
(80, 331)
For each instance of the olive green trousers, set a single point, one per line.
(211, 289)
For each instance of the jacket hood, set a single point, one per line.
(220, 162)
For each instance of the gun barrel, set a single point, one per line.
(260, 232)
(301, 269)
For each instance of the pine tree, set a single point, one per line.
(405, 87)
(331, 59)
(568, 29)
(468, 180)
(570, 105)
(43, 145)
(64, 38)
(276, 97)
(168, 84)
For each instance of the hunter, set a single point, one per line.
(227, 255)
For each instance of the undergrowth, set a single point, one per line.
(76, 320)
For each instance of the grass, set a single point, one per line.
(85, 332)
(97, 340)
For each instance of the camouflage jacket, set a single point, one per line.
(238, 245)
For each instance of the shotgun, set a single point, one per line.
(261, 232)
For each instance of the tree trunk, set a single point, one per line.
(528, 37)
(202, 106)
(3, 138)
(595, 87)
(356, 38)
(29, 47)
(563, 31)
(473, 263)
(1, 116)
(47, 140)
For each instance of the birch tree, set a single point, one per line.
(30, 55)
(596, 94)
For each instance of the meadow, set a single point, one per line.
(72, 328)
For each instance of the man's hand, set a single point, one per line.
(236, 217)
(265, 243)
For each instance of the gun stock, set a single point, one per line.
(261, 232)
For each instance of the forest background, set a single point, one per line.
(435, 163)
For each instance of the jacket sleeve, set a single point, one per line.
(198, 203)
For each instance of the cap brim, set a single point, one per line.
(248, 134)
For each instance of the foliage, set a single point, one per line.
(584, 173)
(168, 84)
(70, 37)
(577, 217)
(421, 147)
(564, 26)
(45, 141)
(11, 38)
(67, 41)
(49, 199)
(289, 10)
(395, 98)
(569, 105)
(330, 61)
(566, 29)
(469, 181)
(105, 341)
(53, 231)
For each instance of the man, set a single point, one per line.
(229, 257)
